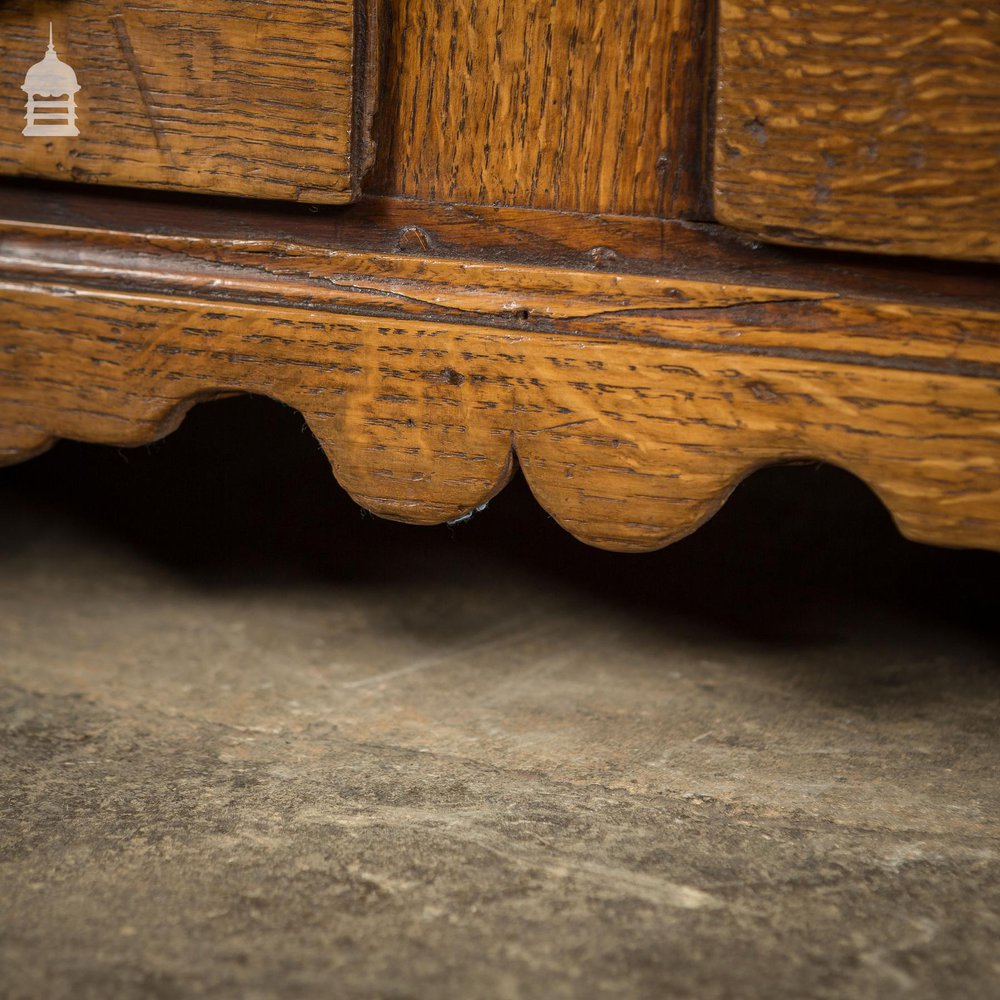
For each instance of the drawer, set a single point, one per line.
(872, 125)
(266, 100)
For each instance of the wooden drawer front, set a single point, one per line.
(872, 125)
(215, 96)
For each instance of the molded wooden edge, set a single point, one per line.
(634, 403)
(483, 233)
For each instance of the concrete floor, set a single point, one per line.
(253, 744)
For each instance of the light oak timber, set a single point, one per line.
(634, 401)
(219, 96)
(872, 125)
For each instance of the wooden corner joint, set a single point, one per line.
(634, 402)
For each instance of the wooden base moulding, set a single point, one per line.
(636, 369)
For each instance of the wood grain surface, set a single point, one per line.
(221, 96)
(872, 125)
(514, 236)
(590, 107)
(635, 400)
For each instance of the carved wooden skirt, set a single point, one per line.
(533, 277)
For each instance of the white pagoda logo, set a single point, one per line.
(51, 87)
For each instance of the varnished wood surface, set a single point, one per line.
(591, 107)
(504, 235)
(869, 126)
(634, 401)
(219, 96)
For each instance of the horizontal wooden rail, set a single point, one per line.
(635, 391)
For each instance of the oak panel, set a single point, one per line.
(547, 103)
(219, 96)
(872, 125)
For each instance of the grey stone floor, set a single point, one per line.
(253, 744)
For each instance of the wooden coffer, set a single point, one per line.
(634, 248)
